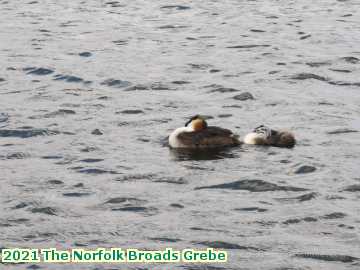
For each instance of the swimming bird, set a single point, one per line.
(263, 135)
(197, 134)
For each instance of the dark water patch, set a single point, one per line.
(18, 220)
(252, 186)
(352, 188)
(200, 66)
(20, 205)
(326, 103)
(225, 115)
(248, 46)
(96, 171)
(244, 96)
(79, 185)
(92, 160)
(341, 131)
(116, 83)
(341, 70)
(165, 239)
(124, 200)
(17, 155)
(96, 132)
(225, 245)
(206, 267)
(272, 17)
(33, 266)
(213, 86)
(304, 169)
(26, 133)
(137, 209)
(44, 210)
(2, 79)
(224, 90)
(120, 42)
(350, 59)
(170, 26)
(88, 149)
(143, 140)
(305, 37)
(297, 220)
(342, 83)
(61, 112)
(171, 180)
(346, 226)
(180, 82)
(177, 205)
(202, 154)
(328, 258)
(68, 78)
(52, 157)
(335, 215)
(85, 54)
(199, 229)
(251, 209)
(334, 197)
(136, 177)
(76, 194)
(38, 71)
(104, 98)
(69, 24)
(177, 7)
(131, 111)
(257, 31)
(233, 106)
(274, 72)
(157, 86)
(55, 182)
(318, 64)
(307, 76)
(214, 70)
(138, 87)
(115, 4)
(266, 223)
(301, 198)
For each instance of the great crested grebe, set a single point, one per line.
(263, 135)
(197, 134)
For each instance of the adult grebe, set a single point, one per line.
(197, 134)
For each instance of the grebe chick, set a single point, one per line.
(264, 135)
(197, 134)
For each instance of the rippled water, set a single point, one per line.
(89, 90)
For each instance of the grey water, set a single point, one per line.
(89, 90)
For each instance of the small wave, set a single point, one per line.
(38, 71)
(225, 245)
(252, 186)
(26, 133)
(329, 258)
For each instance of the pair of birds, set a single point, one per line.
(197, 134)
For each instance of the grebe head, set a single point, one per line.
(267, 132)
(196, 123)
